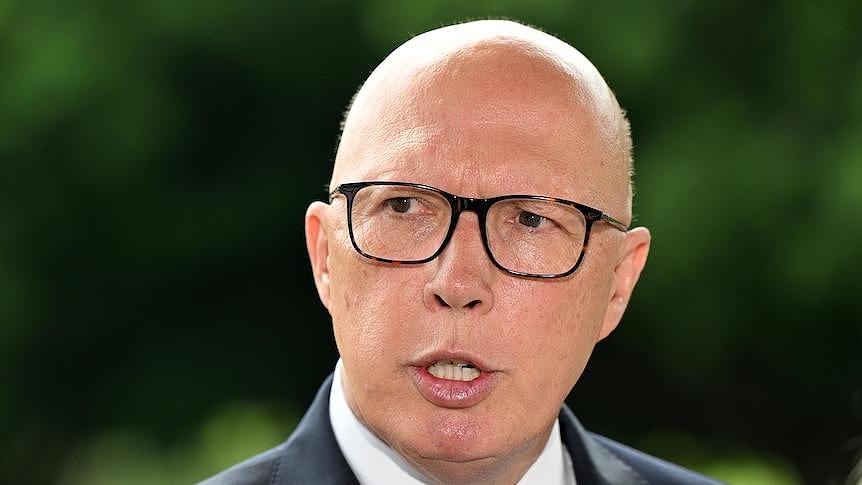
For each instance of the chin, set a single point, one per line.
(456, 452)
(453, 435)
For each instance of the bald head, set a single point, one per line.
(476, 68)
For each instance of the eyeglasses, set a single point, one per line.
(524, 235)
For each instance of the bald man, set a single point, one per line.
(477, 165)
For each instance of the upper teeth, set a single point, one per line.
(453, 370)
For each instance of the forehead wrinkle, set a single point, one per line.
(386, 145)
(409, 140)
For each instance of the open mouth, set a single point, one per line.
(454, 380)
(453, 370)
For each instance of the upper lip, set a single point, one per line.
(448, 355)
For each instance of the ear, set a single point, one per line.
(317, 243)
(632, 258)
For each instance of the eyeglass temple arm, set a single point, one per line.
(615, 223)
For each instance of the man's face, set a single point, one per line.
(493, 128)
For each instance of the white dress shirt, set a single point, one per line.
(375, 463)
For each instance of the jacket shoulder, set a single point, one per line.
(310, 455)
(652, 469)
(599, 460)
(257, 470)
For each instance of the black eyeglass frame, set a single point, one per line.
(460, 204)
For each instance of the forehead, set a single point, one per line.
(486, 165)
(485, 122)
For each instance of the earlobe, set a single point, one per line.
(317, 243)
(632, 258)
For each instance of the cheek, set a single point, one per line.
(370, 304)
(556, 332)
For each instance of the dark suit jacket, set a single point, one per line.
(312, 456)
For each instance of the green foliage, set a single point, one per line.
(232, 434)
(156, 159)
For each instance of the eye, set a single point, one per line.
(400, 204)
(530, 219)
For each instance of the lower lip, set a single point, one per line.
(453, 394)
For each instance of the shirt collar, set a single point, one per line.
(374, 462)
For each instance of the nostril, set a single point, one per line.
(440, 301)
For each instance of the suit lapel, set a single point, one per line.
(593, 463)
(312, 455)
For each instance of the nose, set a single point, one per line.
(462, 273)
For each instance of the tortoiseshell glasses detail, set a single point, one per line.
(524, 235)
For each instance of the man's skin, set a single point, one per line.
(479, 110)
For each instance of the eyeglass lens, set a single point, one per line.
(409, 224)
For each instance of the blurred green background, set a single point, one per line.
(158, 321)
